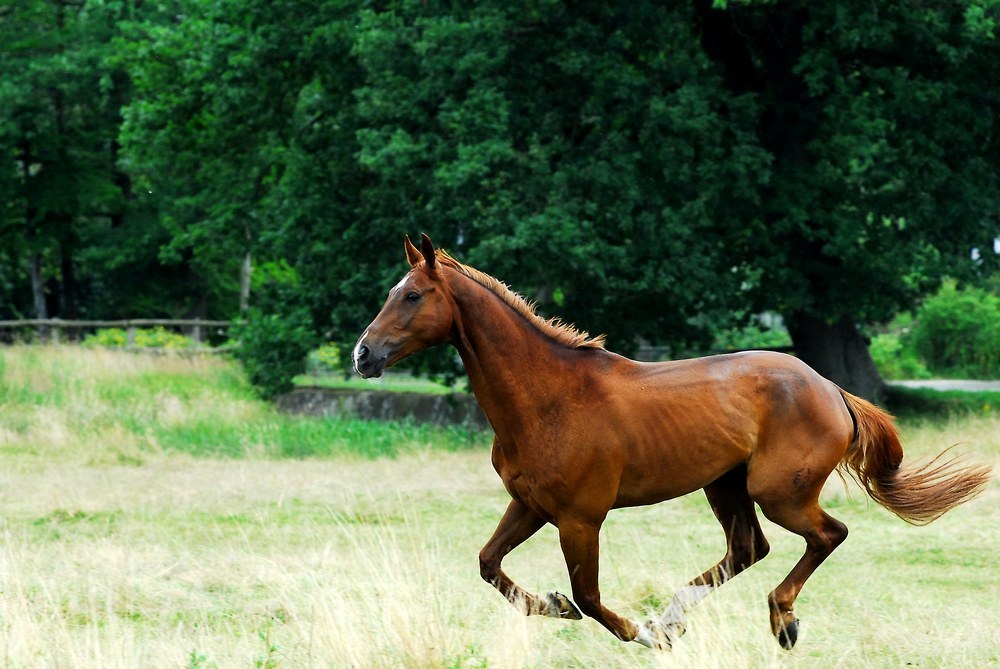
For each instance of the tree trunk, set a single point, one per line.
(837, 351)
(38, 293)
(245, 272)
(70, 306)
(38, 287)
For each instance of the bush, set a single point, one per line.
(278, 333)
(158, 337)
(895, 360)
(756, 335)
(326, 360)
(957, 332)
(273, 348)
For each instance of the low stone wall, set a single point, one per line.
(453, 409)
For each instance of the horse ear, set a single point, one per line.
(427, 248)
(412, 254)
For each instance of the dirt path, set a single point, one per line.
(943, 384)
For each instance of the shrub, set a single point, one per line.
(107, 338)
(273, 348)
(756, 335)
(326, 360)
(895, 360)
(158, 337)
(957, 332)
(278, 333)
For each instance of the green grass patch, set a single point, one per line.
(76, 401)
(925, 403)
(275, 435)
(401, 382)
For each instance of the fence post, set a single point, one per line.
(130, 337)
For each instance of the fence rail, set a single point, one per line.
(50, 328)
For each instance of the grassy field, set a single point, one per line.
(391, 381)
(155, 514)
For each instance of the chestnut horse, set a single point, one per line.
(580, 431)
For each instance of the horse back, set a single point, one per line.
(685, 423)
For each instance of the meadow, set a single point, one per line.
(154, 513)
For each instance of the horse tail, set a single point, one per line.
(919, 493)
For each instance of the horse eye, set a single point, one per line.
(412, 296)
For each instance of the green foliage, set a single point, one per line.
(922, 404)
(649, 179)
(896, 359)
(198, 660)
(752, 336)
(958, 332)
(158, 337)
(326, 360)
(277, 334)
(273, 348)
(646, 170)
(68, 199)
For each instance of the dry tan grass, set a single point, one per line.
(175, 561)
(373, 564)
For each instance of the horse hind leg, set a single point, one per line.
(517, 525)
(745, 545)
(823, 533)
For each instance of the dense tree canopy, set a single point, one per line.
(653, 171)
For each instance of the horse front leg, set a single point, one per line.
(517, 525)
(581, 548)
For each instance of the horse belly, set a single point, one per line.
(672, 458)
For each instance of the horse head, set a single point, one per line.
(416, 315)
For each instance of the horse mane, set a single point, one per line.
(554, 328)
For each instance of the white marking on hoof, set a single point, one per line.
(646, 637)
(683, 600)
(652, 635)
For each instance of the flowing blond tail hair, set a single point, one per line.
(919, 493)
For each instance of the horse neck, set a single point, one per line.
(514, 369)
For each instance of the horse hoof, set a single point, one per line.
(674, 631)
(659, 637)
(559, 606)
(789, 634)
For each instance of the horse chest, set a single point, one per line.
(523, 483)
(528, 492)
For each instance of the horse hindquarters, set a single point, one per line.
(785, 476)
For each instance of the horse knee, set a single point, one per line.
(760, 549)
(749, 551)
(589, 605)
(489, 567)
(834, 533)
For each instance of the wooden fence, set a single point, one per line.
(51, 329)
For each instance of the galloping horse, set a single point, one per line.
(580, 431)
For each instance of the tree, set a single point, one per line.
(880, 122)
(216, 110)
(78, 238)
(338, 130)
(644, 170)
(56, 136)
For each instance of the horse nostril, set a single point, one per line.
(363, 353)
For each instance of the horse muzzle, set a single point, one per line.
(368, 363)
